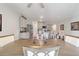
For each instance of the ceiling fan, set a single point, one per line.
(41, 5)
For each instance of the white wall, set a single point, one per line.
(10, 22)
(35, 28)
(68, 28)
(67, 24)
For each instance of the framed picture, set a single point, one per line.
(0, 22)
(62, 27)
(75, 25)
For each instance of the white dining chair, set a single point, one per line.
(49, 51)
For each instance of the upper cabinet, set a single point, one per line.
(62, 27)
(23, 24)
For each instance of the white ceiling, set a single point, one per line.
(52, 12)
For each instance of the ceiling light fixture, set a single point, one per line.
(41, 17)
(41, 5)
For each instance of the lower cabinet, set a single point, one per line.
(72, 40)
(24, 35)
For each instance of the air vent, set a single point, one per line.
(40, 4)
